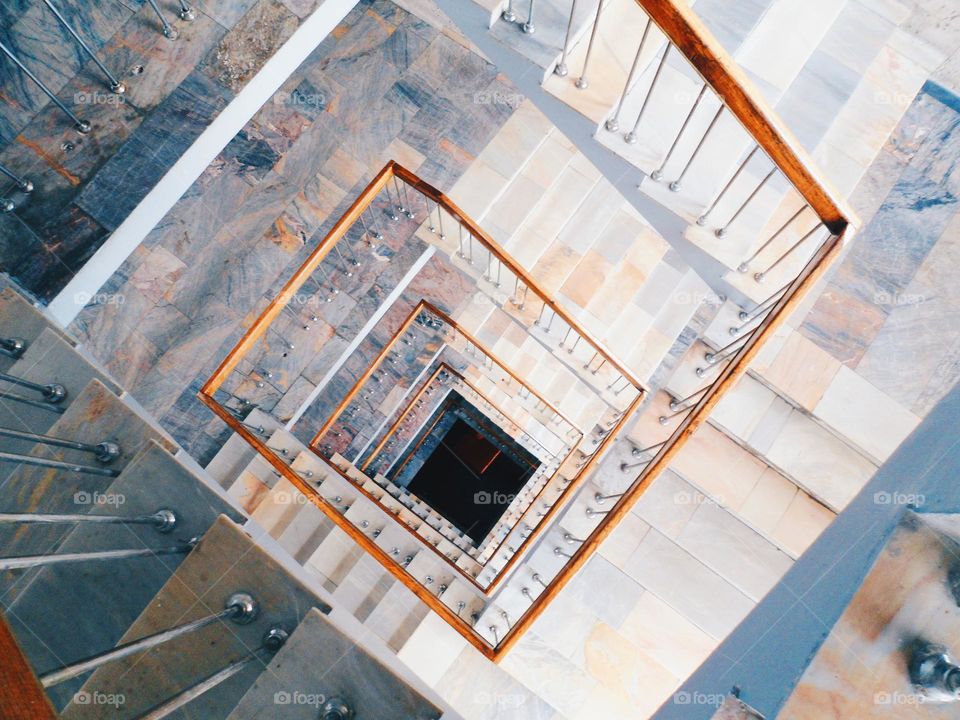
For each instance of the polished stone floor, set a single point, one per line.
(891, 310)
(384, 85)
(86, 185)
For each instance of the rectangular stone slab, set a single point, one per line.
(69, 612)
(226, 561)
(318, 660)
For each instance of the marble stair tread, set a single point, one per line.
(334, 557)
(95, 416)
(757, 493)
(610, 61)
(363, 587)
(68, 612)
(48, 359)
(396, 616)
(226, 561)
(322, 658)
(20, 319)
(509, 150)
(551, 17)
(305, 532)
(236, 453)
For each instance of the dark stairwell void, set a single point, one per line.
(465, 468)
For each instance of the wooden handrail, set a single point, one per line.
(21, 695)
(691, 37)
(731, 373)
(480, 234)
(393, 427)
(368, 545)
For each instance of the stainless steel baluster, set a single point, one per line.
(720, 232)
(114, 84)
(613, 124)
(769, 302)
(23, 185)
(163, 520)
(57, 464)
(29, 561)
(745, 265)
(676, 184)
(508, 13)
(53, 393)
(187, 13)
(81, 126)
(272, 642)
(240, 608)
(702, 220)
(712, 358)
(528, 27)
(105, 452)
(582, 83)
(561, 68)
(760, 276)
(7, 205)
(631, 137)
(658, 173)
(169, 32)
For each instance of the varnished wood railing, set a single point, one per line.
(23, 697)
(679, 22)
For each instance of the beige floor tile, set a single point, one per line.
(802, 523)
(628, 674)
(768, 501)
(820, 462)
(719, 467)
(666, 636)
(801, 370)
(874, 421)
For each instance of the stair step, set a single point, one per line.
(95, 415)
(20, 319)
(68, 612)
(226, 561)
(320, 657)
(48, 359)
